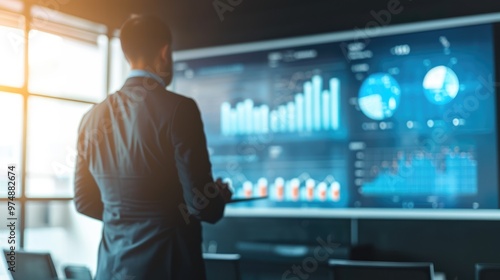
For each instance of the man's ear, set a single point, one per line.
(165, 53)
(166, 57)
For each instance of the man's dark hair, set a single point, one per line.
(142, 37)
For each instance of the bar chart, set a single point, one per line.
(315, 109)
(292, 190)
(450, 172)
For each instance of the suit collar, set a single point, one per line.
(144, 73)
(147, 83)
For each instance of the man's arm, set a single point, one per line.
(201, 194)
(87, 194)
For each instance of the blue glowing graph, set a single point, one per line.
(418, 173)
(308, 128)
(441, 85)
(379, 96)
(314, 109)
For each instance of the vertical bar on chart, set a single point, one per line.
(317, 82)
(256, 120)
(279, 186)
(262, 187)
(291, 116)
(299, 110)
(248, 189)
(308, 106)
(249, 116)
(234, 122)
(335, 191)
(240, 108)
(274, 121)
(264, 116)
(282, 115)
(310, 186)
(326, 110)
(335, 101)
(321, 192)
(294, 192)
(225, 112)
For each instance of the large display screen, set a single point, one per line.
(405, 119)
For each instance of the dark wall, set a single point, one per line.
(196, 23)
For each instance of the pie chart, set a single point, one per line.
(441, 85)
(379, 96)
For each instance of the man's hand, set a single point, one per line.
(224, 190)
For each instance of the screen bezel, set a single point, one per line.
(366, 213)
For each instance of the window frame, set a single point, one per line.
(30, 13)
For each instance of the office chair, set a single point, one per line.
(222, 266)
(75, 272)
(31, 265)
(487, 271)
(369, 270)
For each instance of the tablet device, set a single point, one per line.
(235, 200)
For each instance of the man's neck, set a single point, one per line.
(145, 73)
(143, 67)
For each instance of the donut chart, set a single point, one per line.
(379, 96)
(441, 85)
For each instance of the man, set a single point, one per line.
(143, 168)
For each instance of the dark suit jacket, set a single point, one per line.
(143, 169)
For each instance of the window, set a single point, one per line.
(67, 61)
(11, 124)
(65, 67)
(51, 151)
(12, 5)
(11, 49)
(119, 66)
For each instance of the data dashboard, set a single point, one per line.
(404, 119)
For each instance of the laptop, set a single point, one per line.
(31, 266)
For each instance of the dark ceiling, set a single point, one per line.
(196, 23)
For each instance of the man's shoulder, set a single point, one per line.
(98, 106)
(177, 96)
(165, 99)
(95, 109)
(183, 101)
